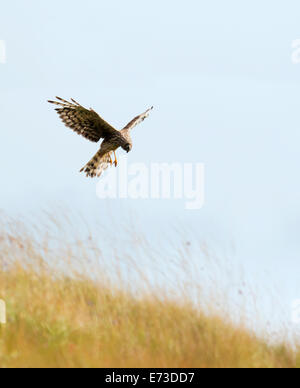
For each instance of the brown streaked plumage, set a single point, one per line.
(87, 123)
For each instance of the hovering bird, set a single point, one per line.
(87, 123)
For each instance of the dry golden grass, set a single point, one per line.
(62, 318)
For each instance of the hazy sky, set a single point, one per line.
(225, 91)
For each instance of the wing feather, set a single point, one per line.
(85, 122)
(137, 120)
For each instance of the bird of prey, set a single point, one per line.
(89, 124)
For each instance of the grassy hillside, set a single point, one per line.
(61, 318)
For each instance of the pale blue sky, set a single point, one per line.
(225, 91)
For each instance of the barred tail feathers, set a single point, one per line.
(98, 164)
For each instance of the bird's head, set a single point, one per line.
(127, 147)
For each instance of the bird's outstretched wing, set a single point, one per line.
(137, 120)
(85, 122)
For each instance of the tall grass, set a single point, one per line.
(75, 301)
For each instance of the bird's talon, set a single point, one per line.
(116, 160)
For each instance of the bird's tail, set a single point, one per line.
(99, 163)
